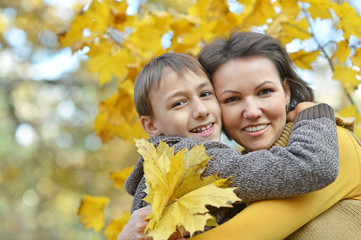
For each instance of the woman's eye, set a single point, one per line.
(179, 103)
(231, 99)
(265, 92)
(206, 94)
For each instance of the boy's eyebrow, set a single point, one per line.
(200, 86)
(203, 84)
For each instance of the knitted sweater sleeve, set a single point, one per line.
(309, 163)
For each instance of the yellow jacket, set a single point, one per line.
(278, 218)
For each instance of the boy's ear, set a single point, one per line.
(149, 126)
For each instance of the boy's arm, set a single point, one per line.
(309, 163)
(277, 218)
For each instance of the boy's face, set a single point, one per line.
(187, 107)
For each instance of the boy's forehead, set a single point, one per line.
(170, 74)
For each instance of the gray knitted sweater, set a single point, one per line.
(310, 162)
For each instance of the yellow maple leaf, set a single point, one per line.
(262, 10)
(347, 76)
(289, 7)
(350, 111)
(117, 114)
(319, 8)
(116, 226)
(177, 192)
(120, 176)
(349, 22)
(199, 9)
(276, 26)
(91, 212)
(304, 59)
(343, 51)
(356, 58)
(107, 60)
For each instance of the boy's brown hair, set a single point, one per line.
(153, 73)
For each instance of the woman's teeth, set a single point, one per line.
(255, 128)
(202, 129)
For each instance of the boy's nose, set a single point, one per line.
(200, 110)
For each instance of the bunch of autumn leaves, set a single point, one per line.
(177, 192)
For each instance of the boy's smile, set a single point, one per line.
(187, 106)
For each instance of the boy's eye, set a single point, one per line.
(266, 91)
(205, 94)
(177, 104)
(231, 99)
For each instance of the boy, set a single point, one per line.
(176, 104)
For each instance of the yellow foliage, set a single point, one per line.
(261, 11)
(292, 29)
(349, 22)
(116, 226)
(177, 192)
(343, 51)
(347, 76)
(351, 111)
(4, 22)
(319, 8)
(120, 176)
(118, 115)
(289, 7)
(356, 59)
(304, 59)
(91, 212)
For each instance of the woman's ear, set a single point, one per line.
(286, 88)
(149, 126)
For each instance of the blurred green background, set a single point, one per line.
(49, 154)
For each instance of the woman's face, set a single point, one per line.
(252, 100)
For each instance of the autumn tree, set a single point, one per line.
(119, 44)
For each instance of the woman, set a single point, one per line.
(245, 69)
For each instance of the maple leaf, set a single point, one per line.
(347, 76)
(289, 7)
(356, 59)
(304, 59)
(91, 212)
(261, 11)
(120, 176)
(116, 226)
(349, 22)
(319, 8)
(177, 192)
(343, 51)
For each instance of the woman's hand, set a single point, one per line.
(291, 116)
(134, 230)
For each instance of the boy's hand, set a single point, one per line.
(134, 230)
(291, 116)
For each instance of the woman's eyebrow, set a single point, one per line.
(264, 83)
(229, 91)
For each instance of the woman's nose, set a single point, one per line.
(200, 110)
(251, 110)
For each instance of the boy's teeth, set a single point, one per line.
(202, 129)
(255, 128)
